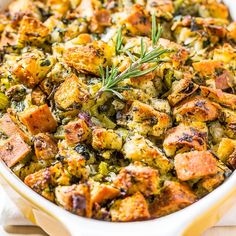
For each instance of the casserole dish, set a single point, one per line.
(40, 211)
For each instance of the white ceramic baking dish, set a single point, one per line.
(191, 221)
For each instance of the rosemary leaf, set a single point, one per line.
(119, 41)
(144, 72)
(156, 31)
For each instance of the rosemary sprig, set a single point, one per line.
(119, 41)
(156, 31)
(111, 79)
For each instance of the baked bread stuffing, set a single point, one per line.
(118, 110)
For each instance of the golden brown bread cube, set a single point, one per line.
(214, 9)
(76, 131)
(185, 137)
(132, 208)
(137, 148)
(209, 183)
(8, 37)
(195, 164)
(147, 120)
(226, 148)
(100, 20)
(180, 90)
(174, 197)
(227, 151)
(71, 91)
(32, 30)
(75, 165)
(38, 97)
(162, 8)
(39, 119)
(207, 68)
(139, 21)
(43, 181)
(229, 118)
(138, 178)
(231, 34)
(20, 8)
(106, 139)
(13, 150)
(225, 80)
(178, 54)
(85, 9)
(226, 99)
(225, 53)
(31, 68)
(45, 146)
(102, 192)
(75, 198)
(59, 7)
(197, 108)
(87, 58)
(10, 128)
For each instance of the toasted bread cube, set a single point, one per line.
(106, 139)
(226, 148)
(147, 120)
(174, 197)
(225, 80)
(186, 137)
(85, 9)
(100, 20)
(195, 164)
(214, 10)
(207, 67)
(32, 30)
(9, 127)
(138, 22)
(87, 58)
(45, 146)
(225, 53)
(75, 165)
(180, 90)
(59, 7)
(39, 120)
(229, 119)
(44, 180)
(162, 8)
(8, 37)
(226, 99)
(102, 192)
(76, 131)
(32, 67)
(70, 92)
(231, 34)
(132, 208)
(140, 149)
(13, 150)
(4, 21)
(179, 53)
(197, 108)
(38, 97)
(209, 183)
(75, 198)
(23, 7)
(138, 178)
